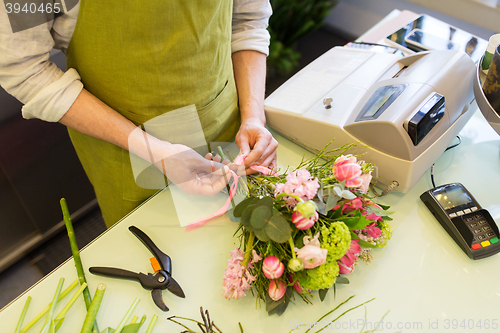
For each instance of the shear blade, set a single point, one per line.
(158, 299)
(175, 289)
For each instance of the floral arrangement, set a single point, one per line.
(305, 230)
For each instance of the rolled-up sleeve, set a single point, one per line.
(27, 73)
(250, 21)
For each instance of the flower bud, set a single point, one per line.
(307, 209)
(277, 289)
(295, 265)
(272, 267)
(303, 223)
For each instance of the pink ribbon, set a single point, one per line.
(232, 192)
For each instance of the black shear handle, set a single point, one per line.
(162, 258)
(147, 281)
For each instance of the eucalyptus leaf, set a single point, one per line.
(321, 206)
(322, 294)
(230, 214)
(238, 210)
(266, 201)
(261, 235)
(260, 216)
(245, 217)
(331, 202)
(278, 229)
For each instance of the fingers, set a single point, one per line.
(263, 152)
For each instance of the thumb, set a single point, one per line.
(244, 146)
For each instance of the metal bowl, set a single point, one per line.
(484, 105)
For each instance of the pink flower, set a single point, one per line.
(272, 267)
(346, 168)
(367, 178)
(350, 205)
(312, 255)
(277, 289)
(296, 285)
(303, 223)
(300, 183)
(238, 278)
(346, 263)
(372, 230)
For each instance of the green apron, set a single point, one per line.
(145, 58)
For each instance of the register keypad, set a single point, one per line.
(483, 236)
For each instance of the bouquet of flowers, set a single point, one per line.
(304, 230)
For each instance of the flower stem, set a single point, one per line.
(248, 249)
(23, 314)
(281, 195)
(292, 247)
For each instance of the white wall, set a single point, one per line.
(352, 18)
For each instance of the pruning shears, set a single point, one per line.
(161, 279)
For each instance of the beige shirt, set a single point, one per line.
(47, 92)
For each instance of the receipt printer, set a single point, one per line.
(405, 110)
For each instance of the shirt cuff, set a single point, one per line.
(254, 39)
(53, 101)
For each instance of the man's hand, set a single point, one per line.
(257, 144)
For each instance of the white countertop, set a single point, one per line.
(422, 277)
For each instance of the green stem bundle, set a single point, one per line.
(152, 324)
(76, 255)
(47, 308)
(127, 316)
(49, 318)
(60, 317)
(23, 315)
(89, 321)
(248, 250)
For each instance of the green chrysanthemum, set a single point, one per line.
(321, 277)
(336, 238)
(386, 233)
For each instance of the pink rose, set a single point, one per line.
(346, 168)
(303, 223)
(272, 267)
(277, 289)
(312, 255)
(366, 178)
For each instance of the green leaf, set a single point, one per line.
(245, 217)
(230, 214)
(378, 211)
(384, 207)
(132, 328)
(357, 222)
(331, 201)
(261, 235)
(361, 242)
(278, 307)
(322, 294)
(342, 280)
(278, 229)
(335, 214)
(260, 216)
(238, 210)
(266, 201)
